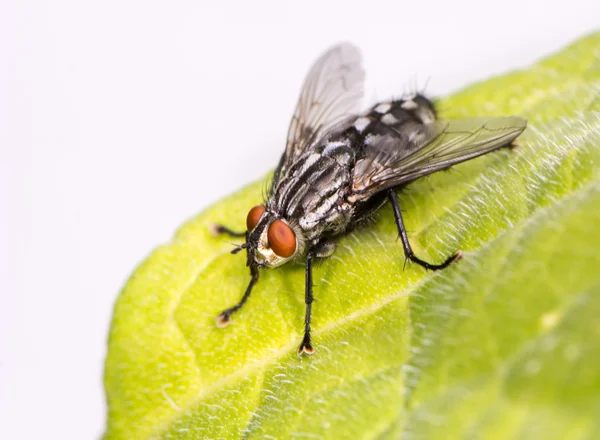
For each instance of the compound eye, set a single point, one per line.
(281, 239)
(254, 216)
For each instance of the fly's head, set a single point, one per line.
(270, 240)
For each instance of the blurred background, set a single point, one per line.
(121, 119)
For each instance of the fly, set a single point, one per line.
(339, 166)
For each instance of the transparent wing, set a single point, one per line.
(394, 157)
(332, 92)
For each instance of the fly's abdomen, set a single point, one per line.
(413, 109)
(404, 115)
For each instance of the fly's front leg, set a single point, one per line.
(218, 229)
(306, 346)
(408, 252)
(224, 318)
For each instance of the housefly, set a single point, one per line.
(339, 166)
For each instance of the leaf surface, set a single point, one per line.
(504, 344)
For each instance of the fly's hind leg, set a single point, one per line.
(408, 252)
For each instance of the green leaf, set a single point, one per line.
(504, 344)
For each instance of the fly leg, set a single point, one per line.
(323, 249)
(306, 346)
(218, 229)
(223, 319)
(408, 252)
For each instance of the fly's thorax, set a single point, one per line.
(311, 195)
(274, 240)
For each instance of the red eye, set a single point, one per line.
(281, 239)
(254, 216)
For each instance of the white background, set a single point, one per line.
(121, 119)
